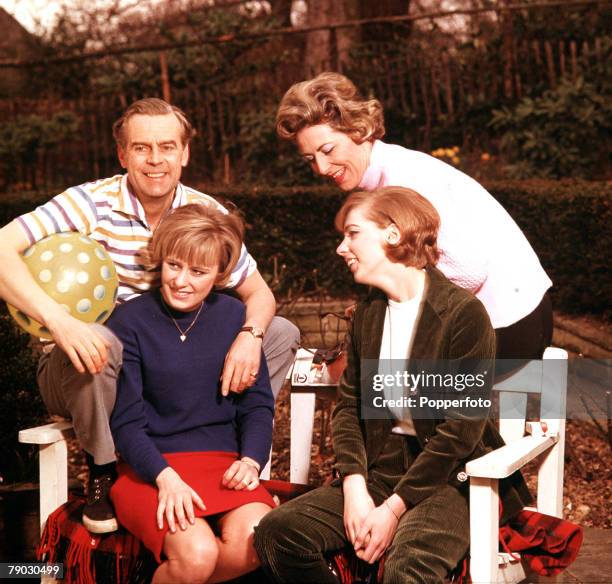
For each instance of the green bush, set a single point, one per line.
(25, 140)
(291, 234)
(562, 133)
(13, 205)
(567, 222)
(266, 159)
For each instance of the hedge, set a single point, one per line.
(567, 222)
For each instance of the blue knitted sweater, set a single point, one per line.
(168, 392)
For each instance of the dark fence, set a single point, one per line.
(421, 91)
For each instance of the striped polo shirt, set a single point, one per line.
(107, 211)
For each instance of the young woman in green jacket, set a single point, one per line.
(401, 489)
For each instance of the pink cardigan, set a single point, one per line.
(483, 249)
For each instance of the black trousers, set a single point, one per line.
(525, 339)
(430, 540)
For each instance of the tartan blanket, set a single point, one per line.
(113, 558)
(88, 558)
(547, 544)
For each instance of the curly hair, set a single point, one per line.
(414, 216)
(199, 235)
(329, 98)
(152, 106)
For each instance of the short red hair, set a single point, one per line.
(414, 216)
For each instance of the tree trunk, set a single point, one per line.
(384, 32)
(281, 11)
(330, 49)
(322, 45)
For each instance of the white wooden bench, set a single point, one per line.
(547, 378)
(307, 384)
(524, 442)
(52, 463)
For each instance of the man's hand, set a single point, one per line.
(242, 474)
(242, 361)
(376, 533)
(175, 498)
(241, 364)
(357, 505)
(82, 343)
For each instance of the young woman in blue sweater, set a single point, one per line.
(188, 483)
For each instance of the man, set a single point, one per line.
(77, 377)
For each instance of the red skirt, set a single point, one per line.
(135, 501)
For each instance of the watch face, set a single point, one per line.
(256, 331)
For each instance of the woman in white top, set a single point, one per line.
(482, 249)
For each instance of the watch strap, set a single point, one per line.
(255, 331)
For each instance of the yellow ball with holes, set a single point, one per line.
(77, 273)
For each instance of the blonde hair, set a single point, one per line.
(330, 98)
(199, 235)
(152, 106)
(414, 216)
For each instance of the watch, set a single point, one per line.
(256, 331)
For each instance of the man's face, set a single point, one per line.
(153, 155)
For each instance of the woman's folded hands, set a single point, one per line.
(376, 533)
(370, 529)
(357, 504)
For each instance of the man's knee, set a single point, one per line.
(282, 334)
(114, 346)
(84, 393)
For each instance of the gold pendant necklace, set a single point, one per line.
(183, 333)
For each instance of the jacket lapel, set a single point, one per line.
(373, 325)
(428, 335)
(376, 431)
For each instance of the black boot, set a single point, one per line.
(98, 513)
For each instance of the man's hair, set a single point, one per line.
(329, 98)
(152, 106)
(414, 216)
(199, 235)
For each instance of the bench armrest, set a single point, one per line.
(47, 434)
(504, 461)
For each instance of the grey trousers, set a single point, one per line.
(88, 400)
(430, 540)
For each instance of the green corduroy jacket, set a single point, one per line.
(452, 324)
